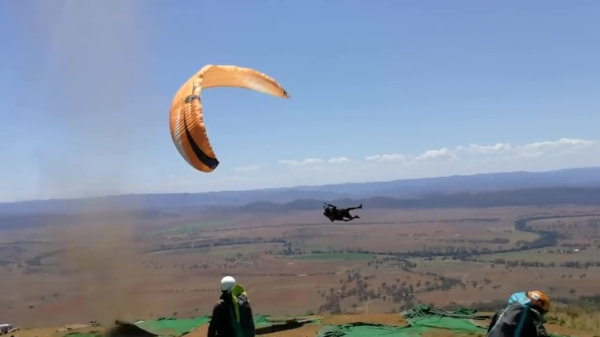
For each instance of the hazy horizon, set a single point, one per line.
(298, 186)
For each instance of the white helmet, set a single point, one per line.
(227, 283)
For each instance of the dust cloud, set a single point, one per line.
(88, 83)
(85, 73)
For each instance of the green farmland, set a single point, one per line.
(191, 228)
(332, 256)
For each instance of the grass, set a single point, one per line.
(438, 333)
(334, 256)
(583, 318)
(233, 250)
(182, 251)
(447, 266)
(541, 256)
(191, 228)
(221, 251)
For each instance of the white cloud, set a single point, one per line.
(444, 161)
(440, 154)
(313, 162)
(386, 158)
(248, 168)
(468, 159)
(563, 146)
(484, 149)
(338, 160)
(499, 151)
(294, 163)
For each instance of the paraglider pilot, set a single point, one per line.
(522, 317)
(339, 214)
(232, 315)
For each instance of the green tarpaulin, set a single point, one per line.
(176, 327)
(457, 321)
(260, 321)
(428, 311)
(172, 326)
(421, 320)
(369, 330)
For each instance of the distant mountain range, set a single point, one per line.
(522, 197)
(395, 194)
(548, 196)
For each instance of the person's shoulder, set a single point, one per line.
(219, 304)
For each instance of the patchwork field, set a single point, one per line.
(294, 263)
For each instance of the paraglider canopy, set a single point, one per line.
(186, 117)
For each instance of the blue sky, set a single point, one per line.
(400, 89)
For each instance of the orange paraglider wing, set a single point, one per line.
(187, 125)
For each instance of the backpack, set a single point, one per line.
(241, 314)
(515, 314)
